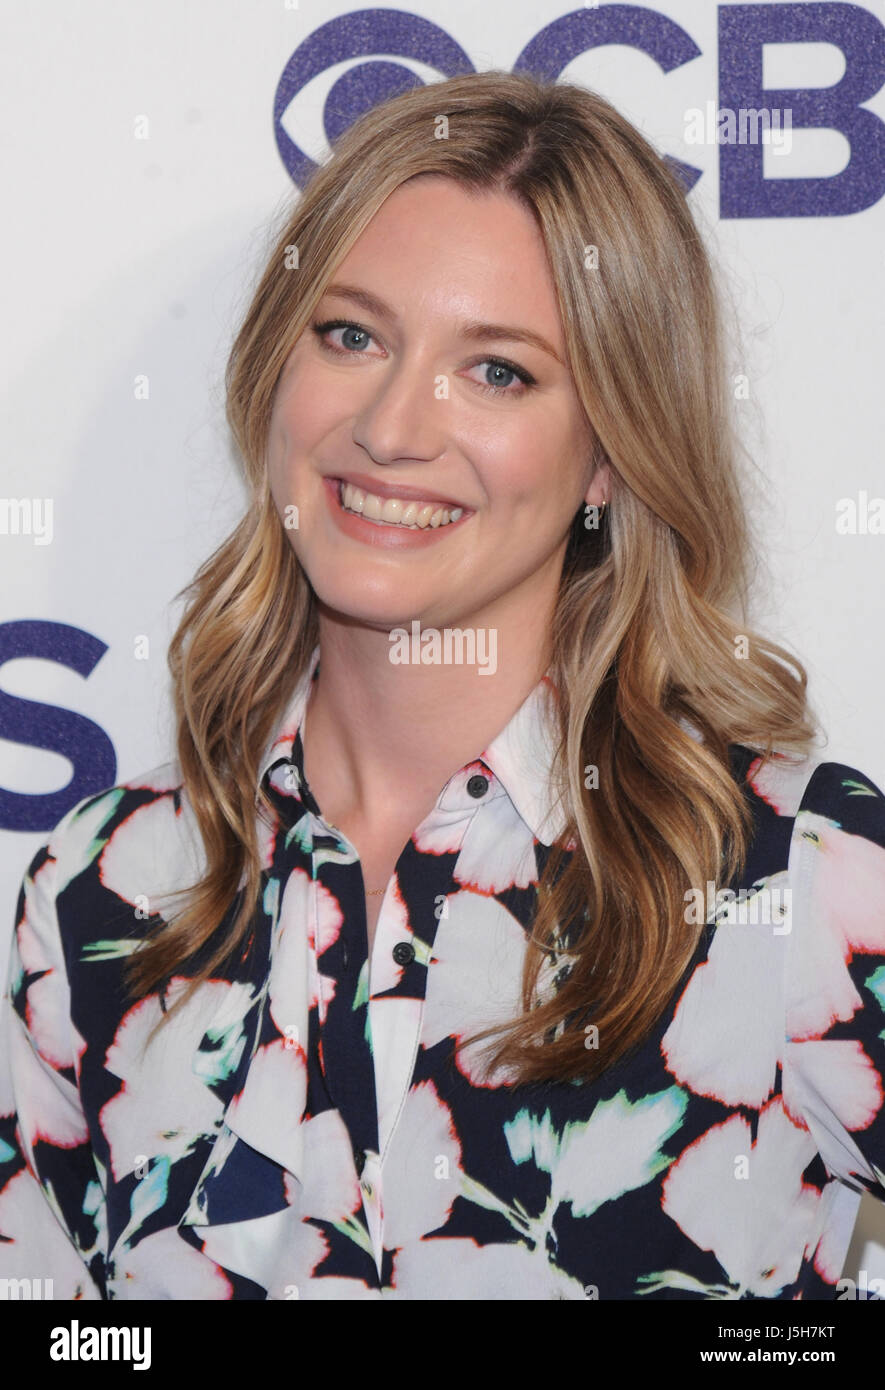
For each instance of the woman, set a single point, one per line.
(530, 951)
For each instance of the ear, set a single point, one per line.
(599, 490)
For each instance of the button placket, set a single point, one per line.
(395, 1046)
(370, 1190)
(403, 953)
(346, 1057)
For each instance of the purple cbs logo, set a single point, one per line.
(369, 42)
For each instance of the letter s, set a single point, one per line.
(62, 731)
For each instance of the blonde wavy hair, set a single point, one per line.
(649, 610)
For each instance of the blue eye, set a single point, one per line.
(496, 365)
(321, 329)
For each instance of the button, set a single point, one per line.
(368, 1189)
(478, 785)
(403, 953)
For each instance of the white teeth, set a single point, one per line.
(392, 509)
(396, 511)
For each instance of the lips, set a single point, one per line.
(398, 534)
(396, 511)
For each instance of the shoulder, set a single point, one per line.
(130, 820)
(838, 836)
(830, 821)
(837, 866)
(834, 972)
(132, 844)
(818, 835)
(798, 789)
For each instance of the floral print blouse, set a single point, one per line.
(304, 1127)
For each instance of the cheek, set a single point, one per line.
(524, 472)
(300, 420)
(278, 458)
(308, 405)
(292, 423)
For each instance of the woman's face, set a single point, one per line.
(409, 399)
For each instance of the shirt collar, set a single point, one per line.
(519, 757)
(284, 736)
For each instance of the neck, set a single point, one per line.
(382, 739)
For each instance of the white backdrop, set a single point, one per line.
(128, 257)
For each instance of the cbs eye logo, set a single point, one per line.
(357, 60)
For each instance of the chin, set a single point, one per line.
(355, 605)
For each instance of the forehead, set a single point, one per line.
(434, 247)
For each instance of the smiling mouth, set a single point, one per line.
(404, 512)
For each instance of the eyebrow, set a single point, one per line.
(472, 330)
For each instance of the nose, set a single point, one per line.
(402, 417)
